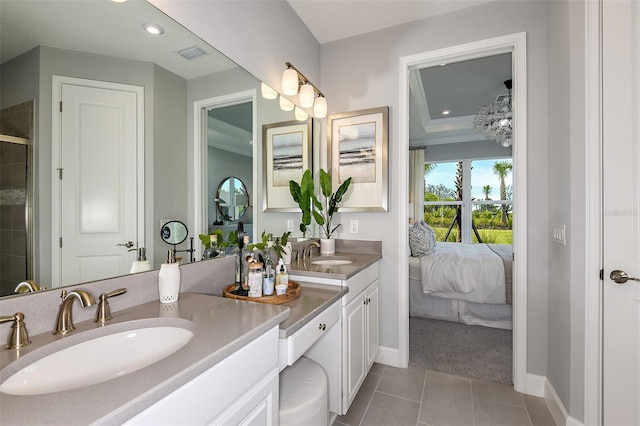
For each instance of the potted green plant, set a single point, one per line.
(302, 193)
(323, 215)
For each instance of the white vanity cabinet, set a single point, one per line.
(242, 389)
(360, 340)
(355, 345)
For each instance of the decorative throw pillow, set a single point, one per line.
(431, 233)
(421, 242)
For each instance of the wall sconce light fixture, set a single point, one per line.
(293, 81)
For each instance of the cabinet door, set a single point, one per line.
(354, 342)
(373, 344)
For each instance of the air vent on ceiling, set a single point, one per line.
(191, 52)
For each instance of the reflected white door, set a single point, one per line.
(99, 209)
(621, 127)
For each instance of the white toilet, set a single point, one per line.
(303, 394)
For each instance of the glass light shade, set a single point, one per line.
(268, 92)
(320, 107)
(286, 104)
(290, 82)
(301, 115)
(306, 96)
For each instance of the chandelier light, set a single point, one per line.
(293, 81)
(495, 120)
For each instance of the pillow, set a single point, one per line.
(431, 233)
(421, 241)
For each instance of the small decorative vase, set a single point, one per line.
(327, 246)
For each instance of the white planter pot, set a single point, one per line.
(327, 246)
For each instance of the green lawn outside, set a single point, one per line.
(489, 236)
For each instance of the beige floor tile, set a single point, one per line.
(377, 368)
(492, 413)
(538, 411)
(385, 410)
(403, 382)
(496, 392)
(361, 402)
(446, 401)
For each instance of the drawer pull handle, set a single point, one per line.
(322, 327)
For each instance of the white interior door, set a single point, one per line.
(98, 182)
(621, 153)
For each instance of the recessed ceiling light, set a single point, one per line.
(154, 29)
(118, 1)
(446, 112)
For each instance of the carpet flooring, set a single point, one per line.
(466, 350)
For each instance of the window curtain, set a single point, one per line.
(416, 185)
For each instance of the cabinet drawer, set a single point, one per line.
(297, 344)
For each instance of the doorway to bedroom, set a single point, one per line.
(460, 193)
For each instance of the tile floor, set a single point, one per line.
(420, 397)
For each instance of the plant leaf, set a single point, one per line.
(319, 218)
(325, 183)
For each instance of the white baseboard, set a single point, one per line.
(556, 407)
(389, 356)
(535, 385)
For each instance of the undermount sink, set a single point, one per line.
(97, 360)
(332, 261)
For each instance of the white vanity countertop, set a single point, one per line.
(340, 272)
(221, 326)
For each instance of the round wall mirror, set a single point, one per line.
(232, 199)
(174, 232)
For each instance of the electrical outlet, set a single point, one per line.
(290, 225)
(354, 226)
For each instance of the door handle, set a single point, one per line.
(621, 277)
(128, 244)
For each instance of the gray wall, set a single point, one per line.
(372, 81)
(567, 192)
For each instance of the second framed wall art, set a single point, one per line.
(358, 148)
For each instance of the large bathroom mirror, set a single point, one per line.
(104, 41)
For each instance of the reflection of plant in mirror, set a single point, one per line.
(232, 239)
(278, 245)
(302, 194)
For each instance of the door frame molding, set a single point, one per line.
(56, 148)
(515, 44)
(200, 175)
(593, 203)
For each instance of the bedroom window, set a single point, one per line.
(470, 201)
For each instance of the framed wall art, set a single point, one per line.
(358, 148)
(286, 155)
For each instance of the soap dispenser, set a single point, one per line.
(169, 279)
(141, 264)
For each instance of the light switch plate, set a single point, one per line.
(559, 234)
(354, 227)
(289, 225)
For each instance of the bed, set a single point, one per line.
(466, 283)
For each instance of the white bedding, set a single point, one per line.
(471, 272)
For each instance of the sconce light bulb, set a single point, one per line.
(286, 104)
(320, 107)
(301, 115)
(268, 92)
(307, 95)
(290, 82)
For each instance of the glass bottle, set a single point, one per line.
(269, 274)
(254, 279)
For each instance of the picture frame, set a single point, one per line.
(358, 146)
(286, 155)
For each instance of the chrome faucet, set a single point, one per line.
(308, 248)
(64, 322)
(28, 286)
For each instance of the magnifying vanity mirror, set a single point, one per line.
(64, 44)
(174, 232)
(232, 199)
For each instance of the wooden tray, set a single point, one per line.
(293, 292)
